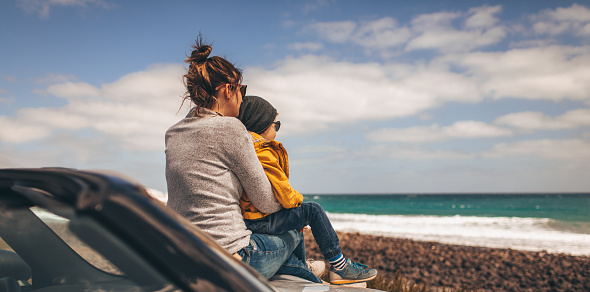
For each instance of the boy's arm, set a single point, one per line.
(284, 193)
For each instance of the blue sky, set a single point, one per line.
(373, 96)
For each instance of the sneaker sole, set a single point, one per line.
(340, 282)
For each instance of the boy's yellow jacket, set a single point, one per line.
(274, 160)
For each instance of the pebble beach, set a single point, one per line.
(457, 266)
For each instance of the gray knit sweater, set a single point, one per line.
(210, 160)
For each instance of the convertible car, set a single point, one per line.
(71, 230)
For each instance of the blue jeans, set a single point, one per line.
(309, 213)
(278, 254)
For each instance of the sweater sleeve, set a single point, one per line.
(245, 165)
(278, 177)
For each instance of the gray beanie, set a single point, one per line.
(256, 114)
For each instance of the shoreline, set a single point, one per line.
(461, 266)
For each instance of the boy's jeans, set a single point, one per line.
(277, 254)
(309, 213)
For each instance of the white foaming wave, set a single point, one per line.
(534, 234)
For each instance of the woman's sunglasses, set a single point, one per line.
(277, 125)
(242, 88)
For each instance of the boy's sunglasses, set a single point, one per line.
(277, 125)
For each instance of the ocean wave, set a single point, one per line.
(533, 234)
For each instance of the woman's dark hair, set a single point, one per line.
(206, 73)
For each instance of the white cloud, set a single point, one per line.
(436, 31)
(15, 131)
(55, 78)
(527, 121)
(572, 149)
(72, 148)
(479, 27)
(313, 92)
(307, 46)
(434, 21)
(318, 155)
(459, 130)
(379, 35)
(539, 121)
(503, 126)
(133, 111)
(549, 73)
(70, 90)
(534, 43)
(573, 20)
(316, 5)
(43, 7)
(338, 32)
(482, 17)
(15, 157)
(412, 153)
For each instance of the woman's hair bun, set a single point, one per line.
(206, 73)
(200, 53)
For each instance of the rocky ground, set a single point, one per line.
(457, 266)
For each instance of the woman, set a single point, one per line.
(210, 161)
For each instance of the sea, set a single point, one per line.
(550, 222)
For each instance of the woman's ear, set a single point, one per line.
(227, 91)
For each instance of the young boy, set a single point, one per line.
(259, 117)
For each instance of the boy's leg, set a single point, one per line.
(342, 270)
(309, 213)
(277, 223)
(312, 214)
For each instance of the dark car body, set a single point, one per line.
(71, 230)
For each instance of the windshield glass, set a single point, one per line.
(59, 225)
(53, 248)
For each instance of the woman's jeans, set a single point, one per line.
(309, 213)
(278, 254)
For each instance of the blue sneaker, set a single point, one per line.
(352, 273)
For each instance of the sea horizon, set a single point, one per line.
(551, 222)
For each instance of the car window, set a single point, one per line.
(59, 225)
(28, 255)
(4, 245)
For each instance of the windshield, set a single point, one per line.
(76, 252)
(59, 225)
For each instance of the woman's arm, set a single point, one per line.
(245, 165)
(276, 168)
